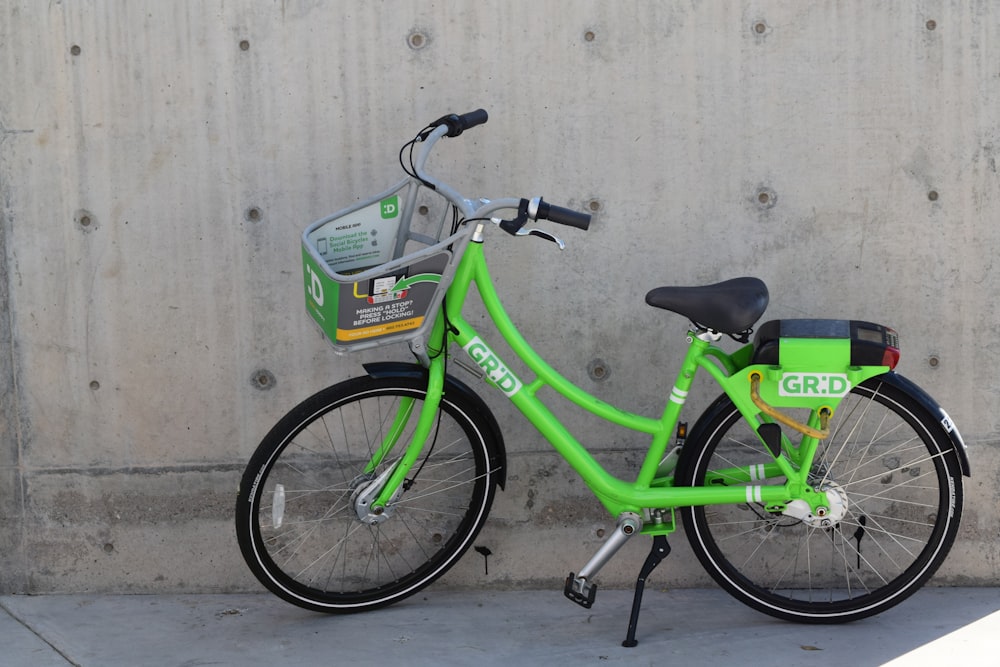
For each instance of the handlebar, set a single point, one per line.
(539, 210)
(452, 125)
(457, 124)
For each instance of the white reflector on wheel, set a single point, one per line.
(278, 505)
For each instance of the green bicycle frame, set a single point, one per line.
(649, 490)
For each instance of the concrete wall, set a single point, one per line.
(158, 161)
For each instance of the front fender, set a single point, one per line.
(471, 400)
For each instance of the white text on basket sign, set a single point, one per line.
(384, 313)
(315, 287)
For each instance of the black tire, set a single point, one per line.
(895, 465)
(317, 553)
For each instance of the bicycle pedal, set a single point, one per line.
(580, 591)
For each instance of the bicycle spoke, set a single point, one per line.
(314, 548)
(893, 478)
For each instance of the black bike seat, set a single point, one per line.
(729, 307)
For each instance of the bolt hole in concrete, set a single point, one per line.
(95, 385)
(263, 379)
(85, 219)
(932, 195)
(594, 205)
(760, 30)
(934, 361)
(254, 214)
(598, 370)
(417, 40)
(589, 36)
(244, 45)
(75, 50)
(108, 548)
(766, 198)
(932, 24)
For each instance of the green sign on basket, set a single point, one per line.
(390, 207)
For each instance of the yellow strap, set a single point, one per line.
(804, 429)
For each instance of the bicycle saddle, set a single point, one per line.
(729, 307)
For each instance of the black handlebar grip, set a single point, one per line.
(459, 124)
(563, 216)
(473, 118)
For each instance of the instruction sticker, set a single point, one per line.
(366, 310)
(360, 239)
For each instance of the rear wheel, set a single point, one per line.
(297, 520)
(893, 464)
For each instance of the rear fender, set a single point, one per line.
(936, 411)
(494, 438)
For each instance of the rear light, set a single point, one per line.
(890, 357)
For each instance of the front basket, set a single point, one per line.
(377, 271)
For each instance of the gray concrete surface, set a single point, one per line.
(159, 160)
(938, 626)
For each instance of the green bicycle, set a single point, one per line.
(821, 486)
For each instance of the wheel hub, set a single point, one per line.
(825, 515)
(365, 493)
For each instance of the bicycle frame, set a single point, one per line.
(648, 490)
(651, 490)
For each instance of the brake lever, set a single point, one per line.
(516, 227)
(512, 227)
(542, 234)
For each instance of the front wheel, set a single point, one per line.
(894, 465)
(296, 514)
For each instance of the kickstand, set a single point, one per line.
(656, 554)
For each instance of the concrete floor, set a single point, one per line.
(936, 626)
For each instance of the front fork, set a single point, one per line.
(374, 502)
